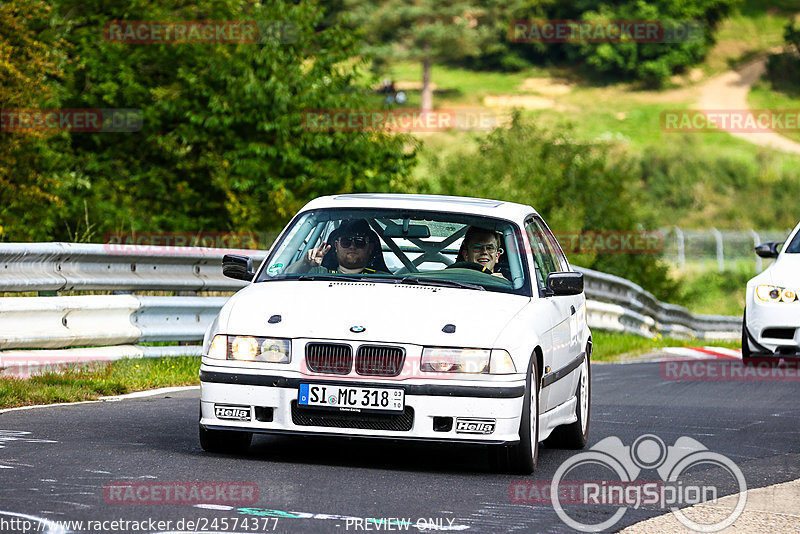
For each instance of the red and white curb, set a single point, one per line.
(703, 353)
(680, 354)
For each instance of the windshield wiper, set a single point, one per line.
(330, 277)
(323, 277)
(438, 282)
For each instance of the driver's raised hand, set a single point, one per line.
(314, 256)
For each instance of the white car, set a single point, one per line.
(771, 323)
(422, 344)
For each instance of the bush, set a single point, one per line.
(783, 70)
(685, 183)
(650, 63)
(574, 185)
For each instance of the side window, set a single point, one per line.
(543, 258)
(558, 254)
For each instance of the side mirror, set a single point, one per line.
(768, 250)
(238, 267)
(564, 283)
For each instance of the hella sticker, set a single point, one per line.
(474, 426)
(234, 413)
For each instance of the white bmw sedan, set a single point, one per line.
(771, 324)
(404, 317)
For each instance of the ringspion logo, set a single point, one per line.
(678, 484)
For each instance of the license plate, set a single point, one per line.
(351, 399)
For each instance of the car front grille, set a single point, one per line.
(329, 358)
(374, 360)
(401, 422)
(778, 333)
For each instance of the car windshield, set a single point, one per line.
(794, 246)
(401, 246)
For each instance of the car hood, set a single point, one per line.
(396, 313)
(784, 272)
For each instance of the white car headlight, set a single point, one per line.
(251, 349)
(501, 363)
(450, 360)
(218, 348)
(769, 293)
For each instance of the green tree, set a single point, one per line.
(425, 31)
(651, 63)
(29, 62)
(222, 144)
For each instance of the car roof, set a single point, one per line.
(466, 205)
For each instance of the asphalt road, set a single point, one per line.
(62, 463)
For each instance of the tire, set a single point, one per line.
(575, 435)
(746, 352)
(521, 457)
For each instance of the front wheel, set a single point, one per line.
(521, 457)
(746, 352)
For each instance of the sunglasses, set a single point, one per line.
(357, 242)
(477, 248)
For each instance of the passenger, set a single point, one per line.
(354, 245)
(481, 246)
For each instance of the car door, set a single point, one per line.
(563, 310)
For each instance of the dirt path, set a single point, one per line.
(728, 91)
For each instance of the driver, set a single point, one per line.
(353, 249)
(481, 246)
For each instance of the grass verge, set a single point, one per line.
(763, 96)
(90, 382)
(614, 347)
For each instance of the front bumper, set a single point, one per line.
(272, 402)
(773, 327)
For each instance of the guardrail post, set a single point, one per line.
(681, 248)
(756, 242)
(720, 250)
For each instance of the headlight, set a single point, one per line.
(244, 348)
(775, 294)
(501, 363)
(450, 360)
(251, 349)
(219, 347)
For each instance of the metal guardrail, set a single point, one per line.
(87, 267)
(58, 322)
(613, 303)
(620, 305)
